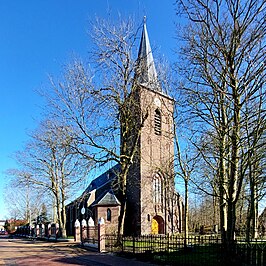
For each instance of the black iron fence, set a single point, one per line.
(195, 250)
(252, 252)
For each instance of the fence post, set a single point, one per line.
(133, 244)
(49, 231)
(32, 230)
(57, 230)
(101, 235)
(43, 230)
(37, 230)
(83, 230)
(91, 227)
(77, 231)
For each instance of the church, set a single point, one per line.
(153, 205)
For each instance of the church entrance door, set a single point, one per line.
(157, 225)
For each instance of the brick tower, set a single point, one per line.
(153, 206)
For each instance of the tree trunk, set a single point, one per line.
(222, 174)
(63, 218)
(121, 219)
(186, 212)
(248, 223)
(234, 171)
(63, 211)
(58, 210)
(222, 190)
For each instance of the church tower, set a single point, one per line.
(153, 206)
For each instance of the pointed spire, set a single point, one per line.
(147, 75)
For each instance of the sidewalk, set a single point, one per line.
(102, 259)
(25, 252)
(93, 258)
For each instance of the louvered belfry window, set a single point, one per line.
(157, 122)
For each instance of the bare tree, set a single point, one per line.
(24, 200)
(253, 163)
(186, 164)
(225, 51)
(50, 163)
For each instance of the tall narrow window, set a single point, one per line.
(108, 215)
(157, 122)
(157, 189)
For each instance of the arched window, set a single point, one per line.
(108, 215)
(157, 189)
(157, 122)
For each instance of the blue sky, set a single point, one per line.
(37, 38)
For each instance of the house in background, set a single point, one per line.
(2, 225)
(153, 205)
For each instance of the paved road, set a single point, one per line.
(26, 253)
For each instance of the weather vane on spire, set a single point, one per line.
(144, 19)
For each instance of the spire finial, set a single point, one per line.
(144, 19)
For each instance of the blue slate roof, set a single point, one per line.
(102, 184)
(104, 178)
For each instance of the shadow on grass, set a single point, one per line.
(191, 256)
